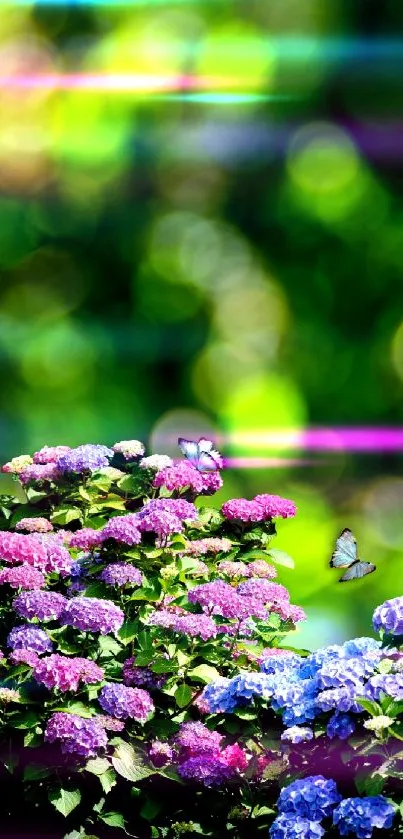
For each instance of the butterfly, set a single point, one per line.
(201, 454)
(345, 556)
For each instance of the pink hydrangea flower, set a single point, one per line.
(276, 507)
(34, 525)
(39, 472)
(86, 539)
(50, 454)
(240, 509)
(214, 545)
(66, 672)
(184, 475)
(22, 576)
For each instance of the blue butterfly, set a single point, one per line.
(201, 454)
(345, 556)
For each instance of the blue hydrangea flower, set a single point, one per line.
(390, 684)
(281, 664)
(217, 695)
(85, 458)
(340, 699)
(291, 827)
(341, 726)
(362, 815)
(297, 734)
(344, 672)
(29, 637)
(311, 798)
(361, 646)
(389, 617)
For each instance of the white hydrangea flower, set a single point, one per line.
(157, 462)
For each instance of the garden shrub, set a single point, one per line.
(148, 681)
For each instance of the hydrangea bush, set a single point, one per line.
(149, 685)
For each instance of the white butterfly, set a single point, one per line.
(201, 454)
(345, 556)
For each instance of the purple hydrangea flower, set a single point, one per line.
(264, 590)
(389, 617)
(35, 524)
(86, 539)
(220, 598)
(160, 753)
(195, 626)
(123, 702)
(92, 615)
(141, 676)
(84, 737)
(44, 605)
(66, 672)
(86, 458)
(195, 738)
(341, 726)
(314, 798)
(390, 684)
(297, 734)
(123, 529)
(38, 472)
(208, 770)
(29, 637)
(361, 815)
(295, 827)
(121, 573)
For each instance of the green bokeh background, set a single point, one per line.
(227, 262)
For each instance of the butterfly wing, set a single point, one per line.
(357, 570)
(204, 445)
(189, 449)
(345, 552)
(208, 462)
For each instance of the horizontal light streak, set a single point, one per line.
(269, 462)
(355, 439)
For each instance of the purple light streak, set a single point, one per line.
(341, 439)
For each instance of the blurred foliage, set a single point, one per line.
(200, 231)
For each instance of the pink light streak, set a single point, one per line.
(269, 462)
(323, 439)
(113, 82)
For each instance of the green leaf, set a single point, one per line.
(130, 764)
(108, 646)
(370, 785)
(34, 772)
(97, 765)
(32, 740)
(183, 695)
(113, 819)
(128, 632)
(108, 780)
(25, 719)
(96, 590)
(391, 707)
(75, 707)
(163, 665)
(245, 714)
(150, 809)
(368, 705)
(204, 673)
(65, 800)
(64, 515)
(281, 558)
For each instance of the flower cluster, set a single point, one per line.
(361, 815)
(261, 508)
(65, 672)
(84, 737)
(141, 676)
(86, 539)
(130, 449)
(29, 637)
(22, 576)
(123, 529)
(213, 545)
(86, 458)
(389, 617)
(122, 702)
(183, 475)
(34, 525)
(50, 454)
(44, 605)
(120, 574)
(92, 615)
